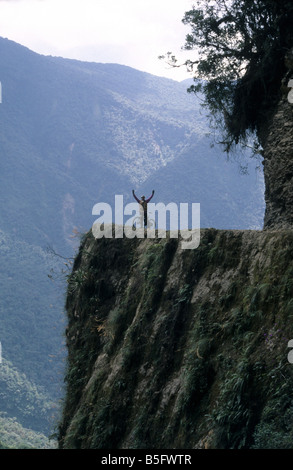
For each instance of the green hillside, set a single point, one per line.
(22, 399)
(32, 325)
(14, 436)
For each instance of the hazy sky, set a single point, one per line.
(128, 32)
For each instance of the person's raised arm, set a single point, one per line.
(135, 196)
(153, 192)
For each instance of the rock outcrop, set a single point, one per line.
(276, 137)
(278, 168)
(180, 349)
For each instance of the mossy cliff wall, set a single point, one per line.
(172, 348)
(278, 167)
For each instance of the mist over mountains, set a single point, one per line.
(73, 134)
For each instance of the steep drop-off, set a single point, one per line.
(73, 134)
(172, 348)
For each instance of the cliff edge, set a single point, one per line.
(171, 348)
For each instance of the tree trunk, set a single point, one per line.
(278, 167)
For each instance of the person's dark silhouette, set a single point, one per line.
(143, 202)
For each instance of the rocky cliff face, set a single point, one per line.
(276, 137)
(278, 168)
(172, 348)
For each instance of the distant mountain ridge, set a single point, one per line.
(75, 133)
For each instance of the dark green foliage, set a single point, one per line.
(234, 412)
(274, 431)
(242, 47)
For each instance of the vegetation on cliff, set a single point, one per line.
(172, 348)
(243, 62)
(242, 48)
